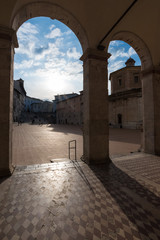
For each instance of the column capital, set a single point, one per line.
(9, 34)
(92, 53)
(151, 70)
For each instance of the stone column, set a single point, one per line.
(151, 110)
(96, 130)
(6, 99)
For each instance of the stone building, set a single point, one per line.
(42, 107)
(61, 97)
(29, 101)
(70, 111)
(125, 101)
(95, 25)
(19, 95)
(38, 109)
(42, 112)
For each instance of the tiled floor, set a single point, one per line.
(34, 144)
(70, 200)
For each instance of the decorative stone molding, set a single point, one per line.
(53, 11)
(8, 34)
(151, 70)
(95, 54)
(138, 45)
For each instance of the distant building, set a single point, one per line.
(70, 111)
(19, 95)
(62, 97)
(44, 106)
(29, 101)
(125, 101)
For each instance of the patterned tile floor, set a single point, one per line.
(70, 200)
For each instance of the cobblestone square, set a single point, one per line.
(33, 144)
(70, 200)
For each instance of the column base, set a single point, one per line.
(97, 161)
(6, 172)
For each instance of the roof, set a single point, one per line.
(123, 69)
(19, 86)
(130, 62)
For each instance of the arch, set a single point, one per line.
(54, 12)
(139, 46)
(148, 85)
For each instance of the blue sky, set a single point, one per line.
(48, 58)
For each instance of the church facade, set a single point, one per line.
(125, 101)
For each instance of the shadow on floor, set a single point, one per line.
(132, 136)
(66, 129)
(3, 179)
(132, 198)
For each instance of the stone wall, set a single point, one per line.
(130, 109)
(127, 76)
(70, 111)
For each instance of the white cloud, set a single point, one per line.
(50, 52)
(24, 64)
(32, 51)
(27, 37)
(72, 53)
(54, 33)
(53, 80)
(27, 64)
(26, 49)
(47, 70)
(68, 32)
(52, 26)
(54, 76)
(115, 43)
(28, 28)
(131, 52)
(118, 53)
(27, 32)
(114, 66)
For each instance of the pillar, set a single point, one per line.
(6, 99)
(151, 110)
(95, 130)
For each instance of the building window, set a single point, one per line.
(136, 79)
(120, 82)
(119, 116)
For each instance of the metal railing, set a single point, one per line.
(72, 146)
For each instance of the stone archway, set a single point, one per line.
(151, 132)
(96, 142)
(7, 43)
(54, 12)
(139, 46)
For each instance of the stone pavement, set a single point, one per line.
(70, 200)
(33, 144)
